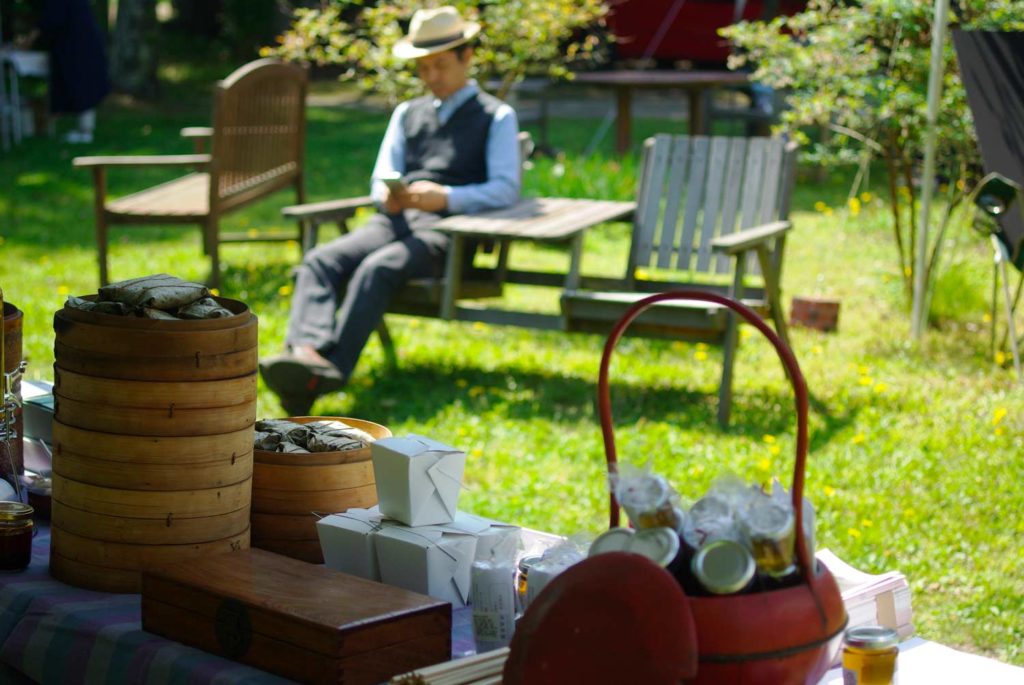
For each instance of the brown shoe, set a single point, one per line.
(298, 381)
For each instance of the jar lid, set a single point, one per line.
(612, 540)
(527, 562)
(723, 566)
(15, 511)
(871, 637)
(660, 545)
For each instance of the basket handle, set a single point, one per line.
(788, 361)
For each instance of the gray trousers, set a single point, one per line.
(355, 276)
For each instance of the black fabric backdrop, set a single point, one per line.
(992, 68)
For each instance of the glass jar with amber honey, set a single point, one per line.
(869, 656)
(15, 536)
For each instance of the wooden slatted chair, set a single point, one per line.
(707, 209)
(257, 144)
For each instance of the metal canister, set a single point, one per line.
(723, 567)
(869, 656)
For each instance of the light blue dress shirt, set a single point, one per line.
(501, 188)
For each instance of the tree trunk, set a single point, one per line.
(133, 53)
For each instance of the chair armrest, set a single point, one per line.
(142, 160)
(329, 210)
(197, 132)
(749, 238)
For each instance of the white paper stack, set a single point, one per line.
(872, 599)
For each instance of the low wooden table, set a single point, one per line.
(625, 81)
(546, 220)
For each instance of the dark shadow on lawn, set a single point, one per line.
(419, 393)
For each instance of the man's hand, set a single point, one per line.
(395, 202)
(426, 196)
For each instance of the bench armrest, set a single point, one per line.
(749, 238)
(142, 160)
(329, 210)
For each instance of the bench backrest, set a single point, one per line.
(694, 189)
(259, 131)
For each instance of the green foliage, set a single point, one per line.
(862, 69)
(518, 37)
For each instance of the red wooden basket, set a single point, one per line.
(780, 637)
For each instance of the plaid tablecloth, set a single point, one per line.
(56, 633)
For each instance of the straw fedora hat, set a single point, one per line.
(434, 30)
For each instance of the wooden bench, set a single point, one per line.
(256, 149)
(711, 213)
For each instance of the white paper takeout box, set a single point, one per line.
(418, 479)
(347, 542)
(435, 560)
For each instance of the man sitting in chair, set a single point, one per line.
(452, 152)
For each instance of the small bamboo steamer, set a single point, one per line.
(185, 450)
(151, 504)
(152, 531)
(289, 487)
(118, 567)
(167, 421)
(170, 476)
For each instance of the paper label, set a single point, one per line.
(493, 594)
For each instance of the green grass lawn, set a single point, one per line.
(915, 459)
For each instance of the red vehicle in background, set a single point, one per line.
(672, 30)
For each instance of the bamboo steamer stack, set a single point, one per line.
(152, 442)
(291, 490)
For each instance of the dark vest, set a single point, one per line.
(454, 154)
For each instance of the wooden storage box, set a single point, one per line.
(298, 620)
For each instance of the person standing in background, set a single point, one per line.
(79, 78)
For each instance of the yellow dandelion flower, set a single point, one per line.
(858, 439)
(1000, 430)
(881, 387)
(909, 513)
(768, 438)
(702, 346)
(863, 370)
(853, 532)
(866, 197)
(477, 452)
(866, 523)
(908, 271)
(696, 469)
(476, 391)
(1000, 357)
(462, 432)
(817, 349)
(775, 449)
(642, 275)
(461, 382)
(700, 355)
(285, 289)
(820, 206)
(828, 211)
(765, 464)
(854, 206)
(904, 191)
(987, 318)
(677, 346)
(215, 292)
(866, 380)
(479, 326)
(251, 232)
(746, 333)
(63, 290)
(960, 184)
(415, 323)
(830, 491)
(291, 244)
(999, 414)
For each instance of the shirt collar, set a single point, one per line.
(445, 108)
